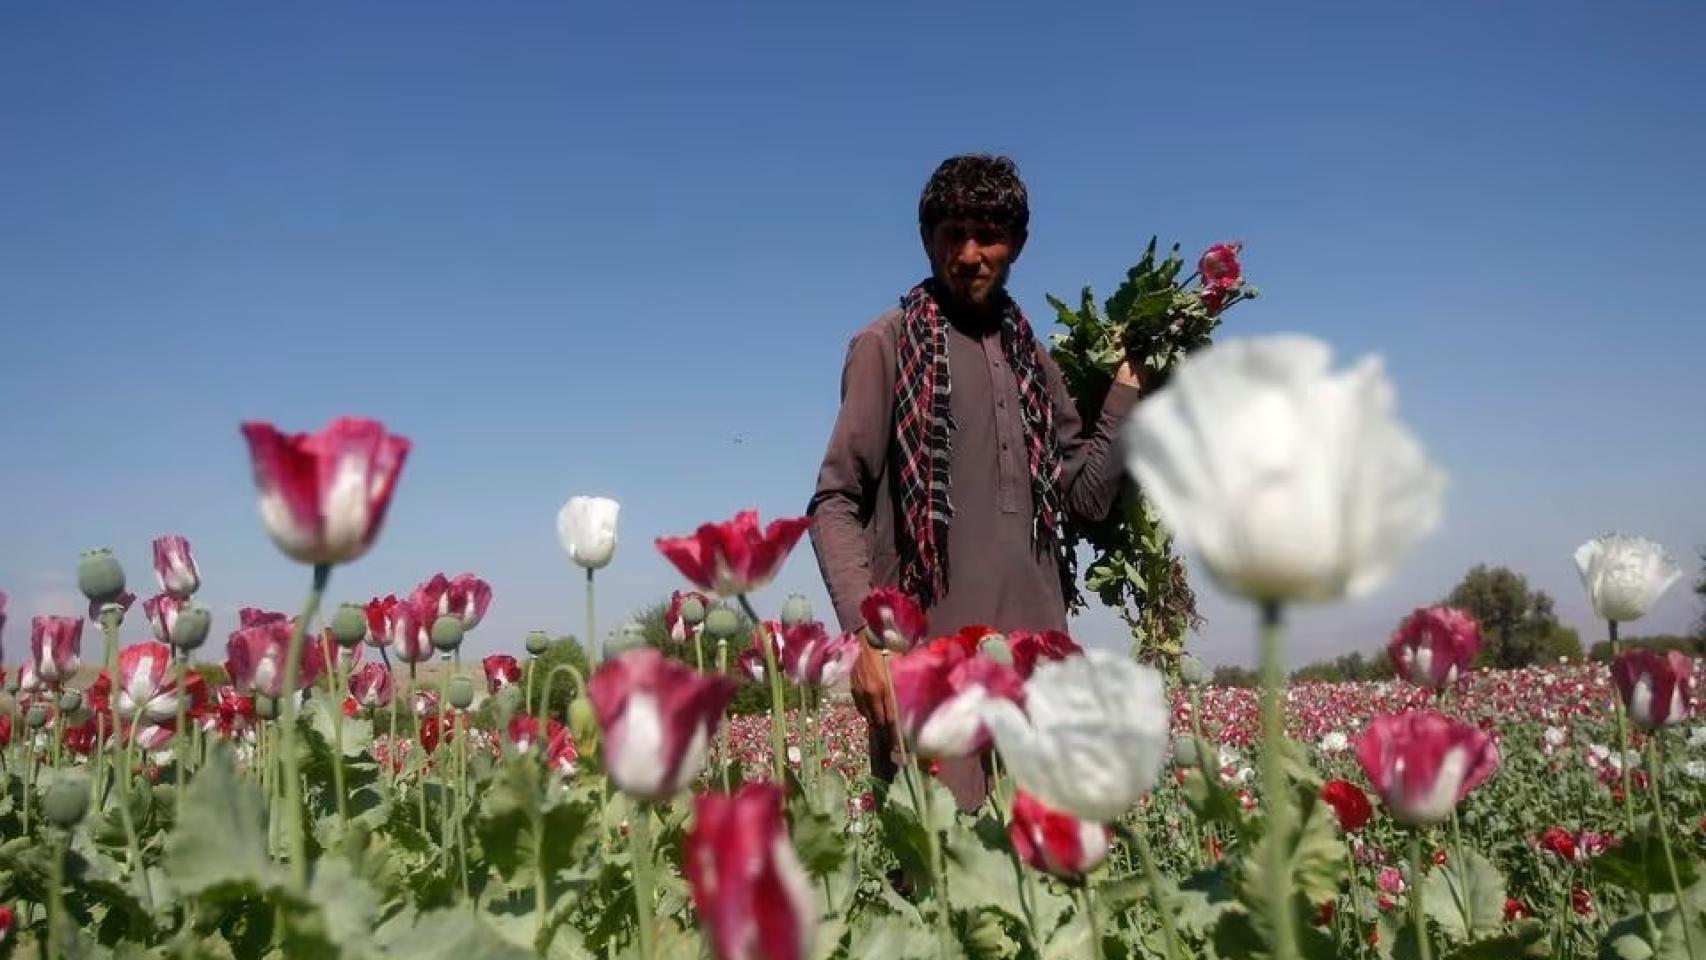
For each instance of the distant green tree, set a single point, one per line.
(1349, 668)
(1231, 675)
(1519, 625)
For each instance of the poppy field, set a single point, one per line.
(326, 797)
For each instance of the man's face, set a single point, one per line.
(971, 258)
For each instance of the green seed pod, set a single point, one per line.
(37, 717)
(538, 641)
(99, 575)
(266, 707)
(583, 723)
(190, 630)
(692, 611)
(447, 633)
(994, 646)
(67, 800)
(349, 625)
(796, 610)
(12, 683)
(632, 636)
(721, 623)
(1190, 670)
(1185, 753)
(985, 936)
(508, 702)
(461, 692)
(70, 701)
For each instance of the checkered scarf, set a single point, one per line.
(924, 430)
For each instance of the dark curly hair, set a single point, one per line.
(976, 187)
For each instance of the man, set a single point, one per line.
(958, 455)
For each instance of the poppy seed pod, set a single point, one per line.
(537, 642)
(632, 636)
(1190, 670)
(796, 610)
(349, 625)
(99, 575)
(994, 647)
(461, 692)
(721, 623)
(189, 630)
(692, 611)
(70, 701)
(67, 800)
(1185, 753)
(446, 633)
(37, 717)
(266, 707)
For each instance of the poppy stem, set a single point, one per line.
(1655, 775)
(1276, 788)
(1417, 918)
(723, 759)
(1139, 837)
(640, 835)
(287, 719)
(594, 649)
(778, 703)
(1628, 781)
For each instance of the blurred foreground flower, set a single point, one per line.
(323, 496)
(1423, 764)
(1054, 842)
(1624, 576)
(1292, 482)
(1091, 737)
(1029, 649)
(656, 717)
(371, 686)
(749, 889)
(734, 557)
(940, 690)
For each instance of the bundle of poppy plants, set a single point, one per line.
(330, 798)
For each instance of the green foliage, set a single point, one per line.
(1519, 625)
(565, 650)
(751, 698)
(1349, 668)
(1155, 318)
(1466, 900)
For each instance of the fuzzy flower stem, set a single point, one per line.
(1276, 789)
(287, 720)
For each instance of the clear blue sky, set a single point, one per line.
(579, 247)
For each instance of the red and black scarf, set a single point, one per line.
(924, 430)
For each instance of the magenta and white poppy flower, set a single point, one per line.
(175, 567)
(657, 718)
(323, 496)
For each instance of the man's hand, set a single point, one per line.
(871, 689)
(1127, 375)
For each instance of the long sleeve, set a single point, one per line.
(848, 479)
(1092, 466)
